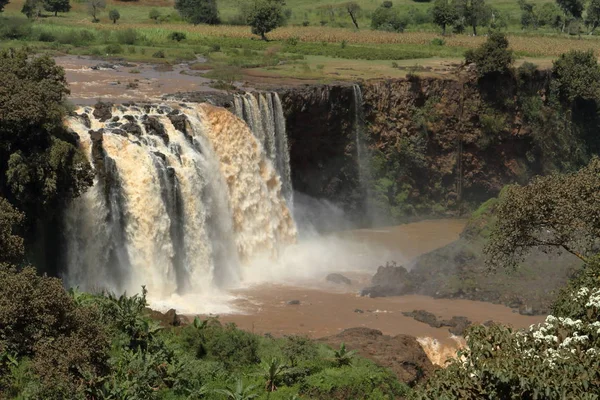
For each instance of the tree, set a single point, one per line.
(41, 166)
(592, 19)
(265, 16)
(550, 15)
(114, 15)
(528, 15)
(2, 4)
(444, 14)
(272, 372)
(386, 18)
(198, 11)
(343, 357)
(352, 8)
(573, 8)
(32, 8)
(238, 391)
(57, 6)
(556, 212)
(492, 57)
(95, 7)
(576, 76)
(11, 245)
(475, 13)
(154, 15)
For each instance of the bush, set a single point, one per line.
(46, 37)
(438, 42)
(577, 76)
(113, 49)
(127, 36)
(492, 57)
(298, 348)
(388, 19)
(232, 346)
(177, 36)
(198, 11)
(215, 47)
(15, 28)
(159, 54)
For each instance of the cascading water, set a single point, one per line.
(263, 113)
(183, 199)
(362, 154)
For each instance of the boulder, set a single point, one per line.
(338, 279)
(154, 127)
(132, 128)
(169, 318)
(102, 111)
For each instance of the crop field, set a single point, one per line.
(293, 50)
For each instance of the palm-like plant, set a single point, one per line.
(238, 391)
(272, 371)
(343, 356)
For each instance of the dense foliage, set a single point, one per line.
(41, 167)
(198, 11)
(556, 212)
(492, 57)
(266, 15)
(387, 18)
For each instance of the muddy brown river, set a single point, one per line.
(326, 309)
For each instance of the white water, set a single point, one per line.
(263, 113)
(186, 216)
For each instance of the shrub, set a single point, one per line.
(154, 15)
(492, 57)
(232, 346)
(293, 41)
(159, 54)
(46, 37)
(388, 19)
(114, 15)
(198, 11)
(438, 42)
(15, 28)
(128, 36)
(215, 47)
(298, 348)
(113, 49)
(177, 36)
(577, 76)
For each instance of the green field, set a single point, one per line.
(315, 51)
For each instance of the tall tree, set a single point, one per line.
(41, 167)
(493, 56)
(592, 19)
(352, 8)
(265, 16)
(475, 12)
(57, 6)
(573, 8)
(32, 8)
(444, 13)
(557, 212)
(95, 7)
(198, 11)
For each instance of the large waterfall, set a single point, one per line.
(264, 115)
(184, 198)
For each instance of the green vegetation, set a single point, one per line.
(114, 15)
(265, 16)
(493, 57)
(197, 11)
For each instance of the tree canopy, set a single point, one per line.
(492, 57)
(475, 13)
(198, 11)
(265, 16)
(387, 18)
(114, 15)
(57, 6)
(41, 166)
(556, 212)
(577, 76)
(2, 4)
(444, 13)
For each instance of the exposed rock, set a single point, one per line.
(293, 302)
(338, 279)
(102, 111)
(390, 280)
(402, 354)
(154, 127)
(85, 120)
(458, 325)
(179, 121)
(132, 128)
(129, 118)
(169, 318)
(359, 311)
(424, 316)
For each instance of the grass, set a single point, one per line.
(305, 52)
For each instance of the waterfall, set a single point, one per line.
(362, 154)
(183, 199)
(263, 113)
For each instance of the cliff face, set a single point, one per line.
(438, 146)
(320, 128)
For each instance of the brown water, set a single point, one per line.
(326, 309)
(132, 82)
